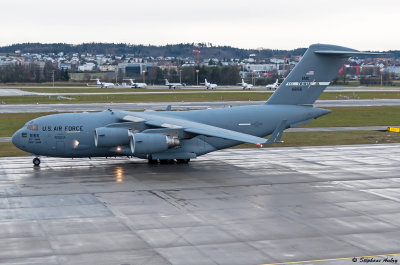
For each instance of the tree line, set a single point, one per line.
(32, 72)
(222, 75)
(172, 50)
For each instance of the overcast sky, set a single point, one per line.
(288, 24)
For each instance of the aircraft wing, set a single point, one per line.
(200, 128)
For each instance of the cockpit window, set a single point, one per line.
(33, 127)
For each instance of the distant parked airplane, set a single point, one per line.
(136, 85)
(172, 85)
(102, 84)
(209, 85)
(245, 85)
(273, 86)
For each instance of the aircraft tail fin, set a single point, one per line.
(309, 78)
(166, 82)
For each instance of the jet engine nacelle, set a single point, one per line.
(151, 143)
(110, 137)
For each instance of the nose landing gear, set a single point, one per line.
(36, 161)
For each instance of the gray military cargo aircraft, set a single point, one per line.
(182, 135)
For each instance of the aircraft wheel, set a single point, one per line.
(36, 161)
(166, 161)
(152, 161)
(183, 161)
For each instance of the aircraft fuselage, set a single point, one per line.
(72, 134)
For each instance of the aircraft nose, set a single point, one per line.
(15, 138)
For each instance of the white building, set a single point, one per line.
(87, 67)
(260, 67)
(276, 60)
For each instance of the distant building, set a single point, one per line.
(298, 58)
(64, 66)
(394, 70)
(276, 60)
(129, 69)
(107, 68)
(87, 67)
(249, 60)
(260, 67)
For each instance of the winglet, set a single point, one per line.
(277, 134)
(168, 108)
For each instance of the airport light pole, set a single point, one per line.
(53, 78)
(197, 74)
(180, 76)
(144, 78)
(381, 70)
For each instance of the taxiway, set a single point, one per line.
(237, 206)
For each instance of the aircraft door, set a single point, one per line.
(60, 146)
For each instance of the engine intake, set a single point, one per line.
(151, 143)
(109, 137)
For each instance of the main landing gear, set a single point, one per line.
(167, 161)
(36, 161)
(183, 161)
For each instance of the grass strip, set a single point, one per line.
(11, 122)
(359, 116)
(293, 139)
(8, 150)
(181, 97)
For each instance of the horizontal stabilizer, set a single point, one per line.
(347, 53)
